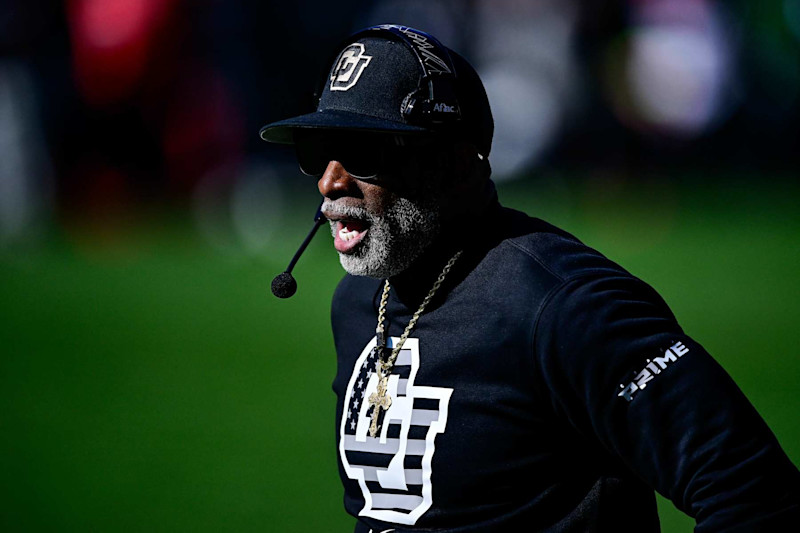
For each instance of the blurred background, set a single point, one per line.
(149, 381)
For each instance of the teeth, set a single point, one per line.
(347, 235)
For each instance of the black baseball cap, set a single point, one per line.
(396, 80)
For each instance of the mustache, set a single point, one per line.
(331, 208)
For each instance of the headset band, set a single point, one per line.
(433, 102)
(433, 57)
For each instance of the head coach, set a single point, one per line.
(494, 373)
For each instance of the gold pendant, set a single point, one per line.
(379, 400)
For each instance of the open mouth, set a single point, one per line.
(348, 234)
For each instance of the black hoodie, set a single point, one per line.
(544, 389)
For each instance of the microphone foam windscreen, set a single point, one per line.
(284, 285)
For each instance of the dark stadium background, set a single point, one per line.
(149, 381)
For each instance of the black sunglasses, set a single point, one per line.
(364, 156)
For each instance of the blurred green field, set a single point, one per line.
(150, 383)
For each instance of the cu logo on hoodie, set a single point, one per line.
(394, 468)
(352, 63)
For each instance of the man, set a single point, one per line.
(494, 373)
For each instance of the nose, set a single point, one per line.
(337, 182)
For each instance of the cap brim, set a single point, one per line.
(283, 131)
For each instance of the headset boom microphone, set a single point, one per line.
(284, 284)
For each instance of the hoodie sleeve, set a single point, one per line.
(614, 363)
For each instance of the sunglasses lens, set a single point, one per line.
(311, 161)
(363, 165)
(361, 157)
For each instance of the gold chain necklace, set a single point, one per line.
(381, 399)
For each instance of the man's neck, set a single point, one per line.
(458, 234)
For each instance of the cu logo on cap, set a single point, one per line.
(351, 64)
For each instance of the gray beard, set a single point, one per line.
(394, 241)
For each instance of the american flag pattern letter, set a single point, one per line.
(393, 469)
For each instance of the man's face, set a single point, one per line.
(381, 224)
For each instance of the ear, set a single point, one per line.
(468, 175)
